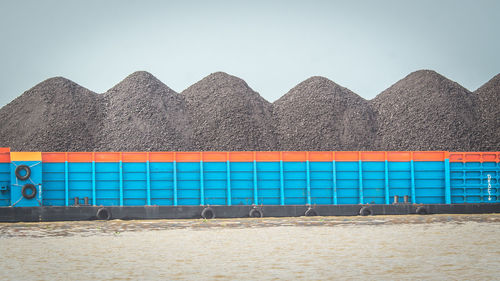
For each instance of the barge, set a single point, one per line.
(57, 186)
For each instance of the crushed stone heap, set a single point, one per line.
(426, 111)
(226, 114)
(423, 111)
(143, 114)
(55, 115)
(318, 114)
(488, 134)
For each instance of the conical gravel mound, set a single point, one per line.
(318, 114)
(226, 114)
(55, 115)
(488, 95)
(425, 111)
(143, 114)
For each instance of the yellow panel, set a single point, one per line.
(25, 156)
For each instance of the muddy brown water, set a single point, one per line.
(440, 247)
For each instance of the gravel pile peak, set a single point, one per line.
(55, 115)
(425, 111)
(226, 114)
(489, 110)
(143, 114)
(318, 114)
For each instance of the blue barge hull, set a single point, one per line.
(43, 186)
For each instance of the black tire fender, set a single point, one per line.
(365, 211)
(311, 212)
(421, 210)
(103, 214)
(256, 213)
(24, 191)
(208, 213)
(20, 168)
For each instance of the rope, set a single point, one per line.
(17, 201)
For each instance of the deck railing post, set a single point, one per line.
(334, 179)
(308, 181)
(202, 184)
(412, 170)
(228, 169)
(255, 185)
(447, 185)
(94, 197)
(282, 184)
(66, 183)
(360, 169)
(386, 177)
(174, 178)
(148, 180)
(121, 183)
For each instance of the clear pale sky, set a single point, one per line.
(365, 46)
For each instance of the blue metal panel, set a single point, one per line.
(269, 183)
(215, 183)
(16, 185)
(79, 181)
(320, 177)
(53, 184)
(242, 183)
(429, 182)
(474, 182)
(347, 182)
(294, 183)
(373, 179)
(5, 184)
(107, 184)
(135, 184)
(399, 175)
(188, 183)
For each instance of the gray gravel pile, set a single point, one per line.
(423, 111)
(143, 114)
(318, 114)
(488, 135)
(226, 114)
(426, 111)
(55, 115)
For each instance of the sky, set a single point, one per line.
(365, 46)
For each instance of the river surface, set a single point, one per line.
(437, 247)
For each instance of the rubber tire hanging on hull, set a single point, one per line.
(365, 211)
(20, 168)
(421, 210)
(311, 213)
(103, 214)
(208, 213)
(24, 191)
(256, 213)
